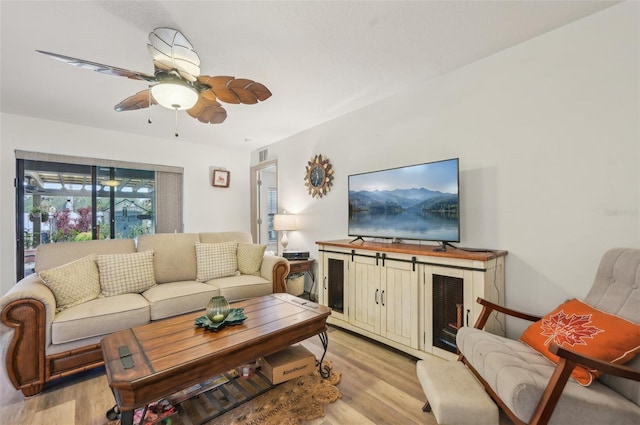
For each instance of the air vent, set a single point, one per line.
(264, 154)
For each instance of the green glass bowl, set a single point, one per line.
(218, 309)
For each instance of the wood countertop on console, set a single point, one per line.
(415, 249)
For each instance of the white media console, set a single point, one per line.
(408, 296)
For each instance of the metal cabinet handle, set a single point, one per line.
(382, 297)
(377, 296)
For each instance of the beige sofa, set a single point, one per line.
(41, 344)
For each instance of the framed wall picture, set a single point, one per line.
(221, 178)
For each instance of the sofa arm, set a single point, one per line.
(27, 312)
(597, 364)
(488, 307)
(275, 269)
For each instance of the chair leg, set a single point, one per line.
(426, 407)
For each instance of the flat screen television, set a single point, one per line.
(418, 202)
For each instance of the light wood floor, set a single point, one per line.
(379, 386)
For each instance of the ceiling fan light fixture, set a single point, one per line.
(175, 94)
(176, 82)
(110, 183)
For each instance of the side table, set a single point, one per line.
(304, 266)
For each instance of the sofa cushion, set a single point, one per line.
(588, 331)
(101, 316)
(250, 258)
(240, 287)
(519, 374)
(174, 257)
(174, 298)
(217, 237)
(73, 283)
(126, 273)
(50, 255)
(216, 260)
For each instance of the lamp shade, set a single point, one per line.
(284, 222)
(174, 94)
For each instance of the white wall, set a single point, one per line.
(548, 136)
(206, 208)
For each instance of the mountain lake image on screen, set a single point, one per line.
(417, 202)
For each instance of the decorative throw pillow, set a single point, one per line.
(126, 273)
(250, 258)
(73, 283)
(586, 330)
(215, 260)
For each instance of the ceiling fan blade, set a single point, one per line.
(98, 67)
(240, 88)
(208, 111)
(209, 95)
(261, 91)
(170, 49)
(219, 87)
(249, 91)
(236, 90)
(139, 100)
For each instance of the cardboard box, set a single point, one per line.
(288, 364)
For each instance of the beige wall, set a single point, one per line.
(548, 136)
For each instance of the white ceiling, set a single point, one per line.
(320, 59)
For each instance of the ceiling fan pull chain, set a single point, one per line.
(149, 121)
(176, 122)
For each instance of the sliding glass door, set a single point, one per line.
(59, 202)
(125, 203)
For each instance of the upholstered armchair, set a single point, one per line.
(532, 389)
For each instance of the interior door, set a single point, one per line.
(264, 204)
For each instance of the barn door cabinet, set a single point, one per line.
(409, 296)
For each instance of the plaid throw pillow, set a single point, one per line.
(215, 260)
(126, 273)
(73, 283)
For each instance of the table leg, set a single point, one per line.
(126, 417)
(325, 371)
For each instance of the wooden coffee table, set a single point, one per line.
(153, 361)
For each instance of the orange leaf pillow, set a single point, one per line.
(585, 330)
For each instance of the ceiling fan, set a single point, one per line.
(177, 83)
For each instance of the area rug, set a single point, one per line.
(290, 403)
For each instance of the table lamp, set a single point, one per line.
(283, 223)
